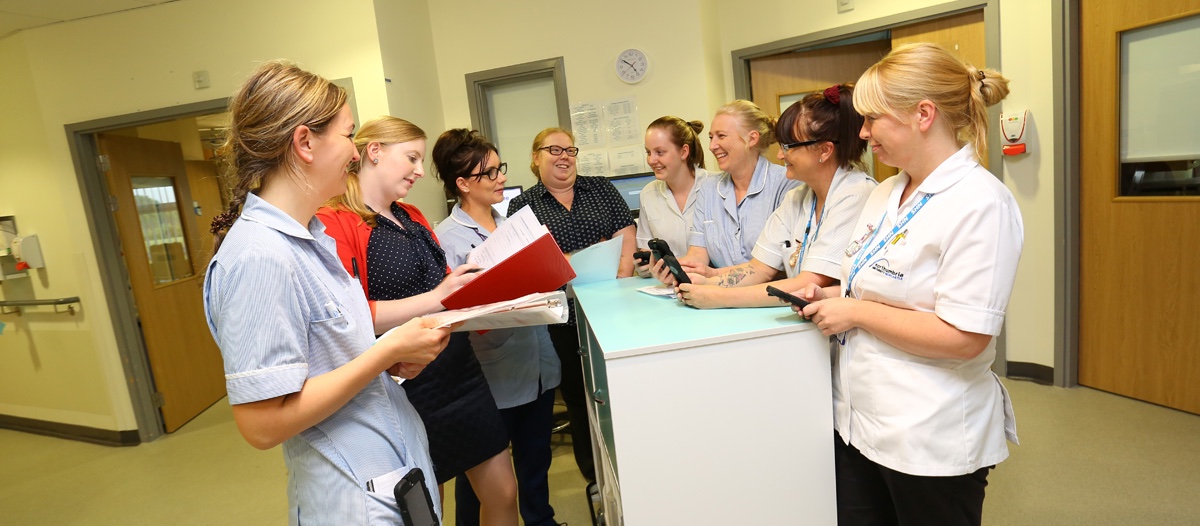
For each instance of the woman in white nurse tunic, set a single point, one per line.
(919, 416)
(803, 239)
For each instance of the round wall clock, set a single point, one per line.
(632, 65)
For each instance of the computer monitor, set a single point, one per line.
(630, 188)
(509, 193)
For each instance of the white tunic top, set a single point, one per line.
(957, 257)
(660, 216)
(784, 235)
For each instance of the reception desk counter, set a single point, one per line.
(705, 416)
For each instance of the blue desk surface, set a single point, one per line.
(628, 322)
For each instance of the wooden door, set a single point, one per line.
(207, 203)
(790, 73)
(962, 35)
(161, 249)
(1138, 284)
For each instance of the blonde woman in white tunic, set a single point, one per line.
(920, 418)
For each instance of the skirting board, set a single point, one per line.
(104, 437)
(1034, 372)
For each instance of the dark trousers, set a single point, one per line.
(566, 343)
(529, 431)
(869, 494)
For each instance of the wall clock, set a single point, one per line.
(632, 65)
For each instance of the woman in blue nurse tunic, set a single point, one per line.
(302, 367)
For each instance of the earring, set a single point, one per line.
(820, 160)
(374, 160)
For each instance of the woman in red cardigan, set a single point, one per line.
(391, 249)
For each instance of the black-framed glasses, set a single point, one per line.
(558, 150)
(789, 146)
(491, 173)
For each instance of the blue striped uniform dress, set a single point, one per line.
(282, 309)
(728, 229)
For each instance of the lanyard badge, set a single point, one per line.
(894, 236)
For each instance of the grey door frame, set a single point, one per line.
(114, 276)
(479, 82)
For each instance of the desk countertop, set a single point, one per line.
(629, 323)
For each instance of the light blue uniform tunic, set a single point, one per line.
(729, 229)
(283, 310)
(514, 361)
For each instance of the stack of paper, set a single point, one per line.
(542, 308)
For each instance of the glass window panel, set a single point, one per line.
(162, 229)
(1160, 111)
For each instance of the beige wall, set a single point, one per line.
(67, 369)
(406, 43)
(477, 35)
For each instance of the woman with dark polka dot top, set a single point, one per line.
(390, 247)
(579, 212)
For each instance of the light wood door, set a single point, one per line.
(1138, 283)
(794, 73)
(162, 253)
(206, 197)
(962, 35)
(790, 73)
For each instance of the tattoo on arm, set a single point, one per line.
(735, 275)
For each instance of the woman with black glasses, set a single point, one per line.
(803, 239)
(521, 367)
(580, 212)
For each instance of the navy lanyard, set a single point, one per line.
(865, 257)
(804, 245)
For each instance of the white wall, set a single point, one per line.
(67, 369)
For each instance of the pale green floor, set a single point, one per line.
(1088, 458)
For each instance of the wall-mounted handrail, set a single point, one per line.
(17, 304)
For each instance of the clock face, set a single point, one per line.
(632, 65)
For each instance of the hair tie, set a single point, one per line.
(981, 75)
(223, 221)
(832, 94)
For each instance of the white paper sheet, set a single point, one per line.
(587, 123)
(515, 233)
(597, 262)
(658, 290)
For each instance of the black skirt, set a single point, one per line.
(460, 415)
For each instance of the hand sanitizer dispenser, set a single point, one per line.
(28, 250)
(1012, 125)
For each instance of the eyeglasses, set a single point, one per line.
(789, 146)
(491, 173)
(558, 150)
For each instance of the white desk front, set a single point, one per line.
(706, 416)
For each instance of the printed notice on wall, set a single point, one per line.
(587, 123)
(621, 122)
(593, 162)
(628, 160)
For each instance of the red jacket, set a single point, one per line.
(352, 234)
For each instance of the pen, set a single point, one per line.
(354, 267)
